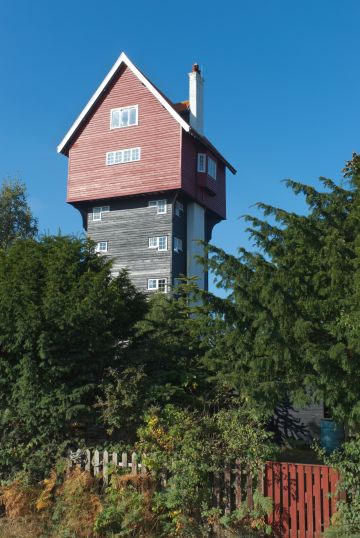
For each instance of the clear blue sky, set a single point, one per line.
(282, 88)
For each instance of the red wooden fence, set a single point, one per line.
(304, 498)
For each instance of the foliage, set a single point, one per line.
(186, 449)
(16, 219)
(290, 323)
(162, 365)
(63, 322)
(347, 518)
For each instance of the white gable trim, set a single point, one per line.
(122, 59)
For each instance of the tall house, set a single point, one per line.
(145, 179)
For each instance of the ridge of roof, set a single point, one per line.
(160, 96)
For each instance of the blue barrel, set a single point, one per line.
(331, 435)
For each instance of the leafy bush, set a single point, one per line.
(346, 523)
(183, 451)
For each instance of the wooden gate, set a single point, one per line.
(304, 498)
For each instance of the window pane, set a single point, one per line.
(127, 155)
(161, 205)
(132, 116)
(96, 213)
(152, 203)
(153, 242)
(110, 158)
(161, 284)
(115, 119)
(135, 154)
(163, 243)
(152, 284)
(124, 117)
(212, 168)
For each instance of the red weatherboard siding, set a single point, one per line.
(158, 135)
(190, 148)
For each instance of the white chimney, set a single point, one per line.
(196, 99)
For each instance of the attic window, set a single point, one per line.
(123, 117)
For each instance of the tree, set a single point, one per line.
(64, 320)
(290, 323)
(16, 220)
(163, 365)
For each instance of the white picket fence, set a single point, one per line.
(99, 463)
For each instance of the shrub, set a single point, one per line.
(346, 523)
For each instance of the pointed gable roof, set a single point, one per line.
(66, 142)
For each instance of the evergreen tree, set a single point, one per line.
(290, 323)
(163, 365)
(16, 219)
(63, 322)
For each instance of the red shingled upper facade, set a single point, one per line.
(168, 158)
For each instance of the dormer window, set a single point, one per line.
(124, 117)
(201, 162)
(212, 167)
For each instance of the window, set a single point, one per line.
(123, 156)
(163, 243)
(158, 242)
(102, 246)
(212, 168)
(98, 211)
(201, 162)
(179, 208)
(123, 117)
(153, 242)
(178, 246)
(160, 206)
(157, 284)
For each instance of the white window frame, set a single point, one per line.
(118, 156)
(156, 203)
(212, 173)
(154, 242)
(101, 210)
(179, 208)
(201, 162)
(98, 246)
(120, 109)
(156, 287)
(178, 244)
(164, 247)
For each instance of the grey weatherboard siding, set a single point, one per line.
(127, 228)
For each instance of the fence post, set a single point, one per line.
(124, 460)
(88, 461)
(96, 462)
(105, 468)
(134, 460)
